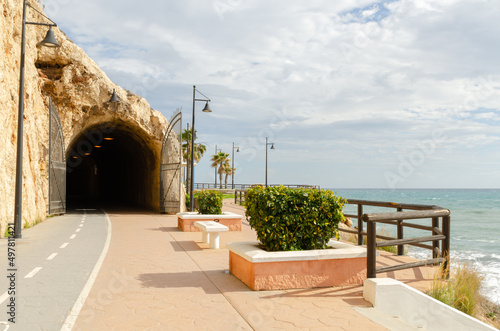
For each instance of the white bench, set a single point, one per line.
(210, 231)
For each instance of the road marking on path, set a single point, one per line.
(80, 225)
(33, 272)
(64, 245)
(53, 255)
(75, 311)
(3, 297)
(78, 230)
(72, 236)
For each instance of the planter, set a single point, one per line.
(342, 265)
(185, 221)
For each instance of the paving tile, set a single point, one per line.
(168, 280)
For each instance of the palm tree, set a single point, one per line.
(228, 171)
(220, 160)
(199, 150)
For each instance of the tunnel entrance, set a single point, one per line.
(111, 165)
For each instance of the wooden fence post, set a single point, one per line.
(446, 244)
(435, 243)
(360, 225)
(371, 254)
(401, 248)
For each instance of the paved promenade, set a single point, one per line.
(155, 277)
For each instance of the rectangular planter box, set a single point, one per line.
(343, 265)
(185, 221)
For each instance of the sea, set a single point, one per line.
(475, 225)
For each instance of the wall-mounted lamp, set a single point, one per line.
(114, 97)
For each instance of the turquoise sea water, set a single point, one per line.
(475, 224)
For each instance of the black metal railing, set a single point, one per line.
(203, 186)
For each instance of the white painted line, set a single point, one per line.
(75, 311)
(33, 272)
(53, 255)
(3, 297)
(78, 230)
(64, 245)
(80, 225)
(83, 218)
(72, 236)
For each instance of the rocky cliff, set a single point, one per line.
(79, 89)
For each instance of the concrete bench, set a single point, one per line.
(210, 231)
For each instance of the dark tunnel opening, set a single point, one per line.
(109, 166)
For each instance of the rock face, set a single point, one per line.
(81, 93)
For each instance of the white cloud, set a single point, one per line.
(357, 81)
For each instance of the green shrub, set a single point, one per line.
(209, 202)
(293, 219)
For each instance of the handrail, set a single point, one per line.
(200, 186)
(400, 219)
(405, 215)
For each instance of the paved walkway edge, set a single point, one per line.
(75, 311)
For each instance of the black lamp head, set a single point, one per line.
(49, 40)
(114, 97)
(207, 109)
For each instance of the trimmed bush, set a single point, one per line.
(209, 202)
(293, 219)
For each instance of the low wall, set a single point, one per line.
(394, 298)
(342, 265)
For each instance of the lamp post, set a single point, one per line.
(272, 147)
(216, 151)
(232, 164)
(48, 41)
(206, 109)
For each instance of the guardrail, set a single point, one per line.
(400, 219)
(202, 186)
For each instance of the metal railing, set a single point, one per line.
(400, 219)
(203, 186)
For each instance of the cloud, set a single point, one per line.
(362, 82)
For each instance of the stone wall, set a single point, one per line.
(80, 91)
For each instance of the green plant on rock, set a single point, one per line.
(288, 219)
(209, 202)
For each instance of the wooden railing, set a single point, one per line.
(400, 219)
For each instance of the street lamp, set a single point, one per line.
(216, 151)
(272, 147)
(114, 97)
(232, 165)
(206, 109)
(48, 41)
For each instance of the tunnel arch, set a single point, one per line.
(113, 164)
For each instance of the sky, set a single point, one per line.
(353, 93)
